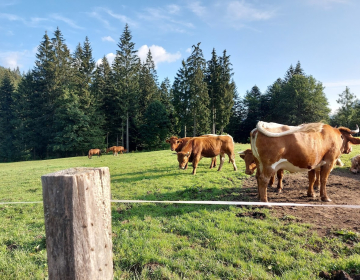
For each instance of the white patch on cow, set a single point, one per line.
(285, 164)
(255, 150)
(262, 126)
(274, 125)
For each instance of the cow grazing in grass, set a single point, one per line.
(116, 150)
(94, 152)
(355, 164)
(250, 166)
(210, 146)
(176, 144)
(303, 148)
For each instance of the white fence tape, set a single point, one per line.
(217, 203)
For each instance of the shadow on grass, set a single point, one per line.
(125, 211)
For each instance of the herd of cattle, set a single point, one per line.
(314, 148)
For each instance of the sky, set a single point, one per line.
(263, 38)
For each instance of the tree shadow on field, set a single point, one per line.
(125, 211)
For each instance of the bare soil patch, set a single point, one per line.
(343, 187)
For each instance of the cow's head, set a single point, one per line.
(250, 164)
(174, 142)
(348, 139)
(355, 162)
(183, 159)
(125, 151)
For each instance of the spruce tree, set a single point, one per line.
(126, 83)
(6, 119)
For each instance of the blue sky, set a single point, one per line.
(263, 38)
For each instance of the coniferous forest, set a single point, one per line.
(67, 104)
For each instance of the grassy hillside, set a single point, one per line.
(161, 241)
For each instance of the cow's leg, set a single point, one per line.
(186, 165)
(222, 159)
(324, 174)
(213, 162)
(232, 159)
(271, 182)
(195, 163)
(311, 175)
(317, 181)
(280, 175)
(262, 187)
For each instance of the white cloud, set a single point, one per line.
(108, 39)
(66, 20)
(240, 10)
(110, 57)
(159, 54)
(173, 9)
(188, 50)
(197, 8)
(11, 17)
(19, 59)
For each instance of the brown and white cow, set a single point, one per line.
(355, 164)
(176, 144)
(210, 146)
(250, 166)
(302, 148)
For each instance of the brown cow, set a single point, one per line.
(299, 149)
(94, 152)
(210, 146)
(116, 150)
(176, 144)
(355, 164)
(250, 166)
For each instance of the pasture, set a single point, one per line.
(164, 241)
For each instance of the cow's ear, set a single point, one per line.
(242, 154)
(187, 154)
(167, 141)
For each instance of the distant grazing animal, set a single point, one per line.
(210, 146)
(94, 152)
(250, 166)
(302, 148)
(355, 164)
(116, 150)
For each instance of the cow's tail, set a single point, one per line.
(310, 127)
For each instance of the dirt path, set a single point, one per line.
(343, 187)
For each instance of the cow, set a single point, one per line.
(176, 144)
(250, 166)
(355, 164)
(302, 148)
(94, 152)
(210, 146)
(116, 150)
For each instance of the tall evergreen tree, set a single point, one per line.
(125, 70)
(6, 119)
(198, 93)
(347, 114)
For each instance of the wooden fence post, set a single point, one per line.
(78, 223)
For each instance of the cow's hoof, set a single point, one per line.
(311, 195)
(279, 190)
(325, 199)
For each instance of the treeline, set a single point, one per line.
(67, 104)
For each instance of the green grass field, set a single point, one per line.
(164, 241)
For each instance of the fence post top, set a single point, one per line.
(76, 171)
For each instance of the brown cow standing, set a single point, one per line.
(116, 150)
(250, 166)
(210, 146)
(94, 152)
(176, 144)
(299, 149)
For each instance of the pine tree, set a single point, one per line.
(227, 93)
(347, 114)
(6, 119)
(198, 92)
(126, 79)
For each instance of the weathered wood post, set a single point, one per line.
(78, 223)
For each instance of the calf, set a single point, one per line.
(355, 164)
(210, 146)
